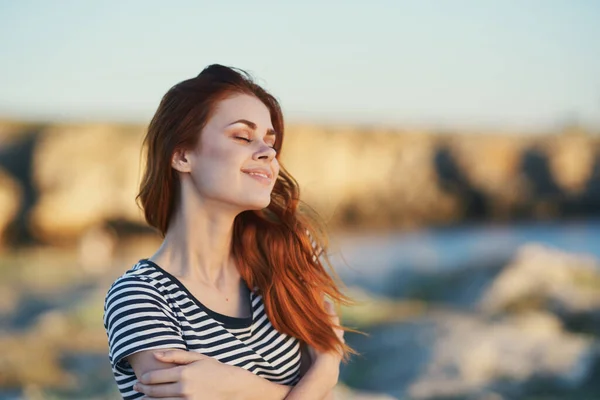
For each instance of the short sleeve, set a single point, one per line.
(137, 317)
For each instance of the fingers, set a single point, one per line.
(330, 309)
(167, 375)
(177, 356)
(160, 391)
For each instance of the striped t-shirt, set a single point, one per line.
(148, 308)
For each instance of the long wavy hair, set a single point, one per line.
(281, 249)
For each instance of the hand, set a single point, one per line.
(197, 376)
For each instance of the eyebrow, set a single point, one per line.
(252, 125)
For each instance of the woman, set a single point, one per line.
(237, 291)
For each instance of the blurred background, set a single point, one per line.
(452, 146)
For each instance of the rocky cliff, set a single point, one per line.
(59, 181)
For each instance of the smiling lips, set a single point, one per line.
(262, 175)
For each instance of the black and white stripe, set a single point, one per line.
(148, 308)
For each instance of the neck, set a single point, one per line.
(197, 245)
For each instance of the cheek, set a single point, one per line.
(218, 166)
(276, 167)
(219, 156)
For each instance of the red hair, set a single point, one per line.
(279, 249)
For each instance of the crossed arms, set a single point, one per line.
(179, 374)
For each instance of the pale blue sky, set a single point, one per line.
(517, 63)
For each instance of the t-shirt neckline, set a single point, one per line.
(226, 320)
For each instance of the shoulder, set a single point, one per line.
(139, 315)
(141, 285)
(141, 275)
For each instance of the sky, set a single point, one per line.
(524, 64)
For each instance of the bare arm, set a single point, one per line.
(232, 382)
(144, 361)
(243, 384)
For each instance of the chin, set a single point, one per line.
(257, 204)
(260, 206)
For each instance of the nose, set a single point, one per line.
(265, 152)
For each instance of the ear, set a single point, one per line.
(181, 161)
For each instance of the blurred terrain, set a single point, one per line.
(60, 181)
(474, 256)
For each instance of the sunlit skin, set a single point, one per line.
(215, 167)
(214, 189)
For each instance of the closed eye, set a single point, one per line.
(249, 140)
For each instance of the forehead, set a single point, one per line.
(241, 106)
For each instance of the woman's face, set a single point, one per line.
(235, 161)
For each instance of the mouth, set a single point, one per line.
(261, 177)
